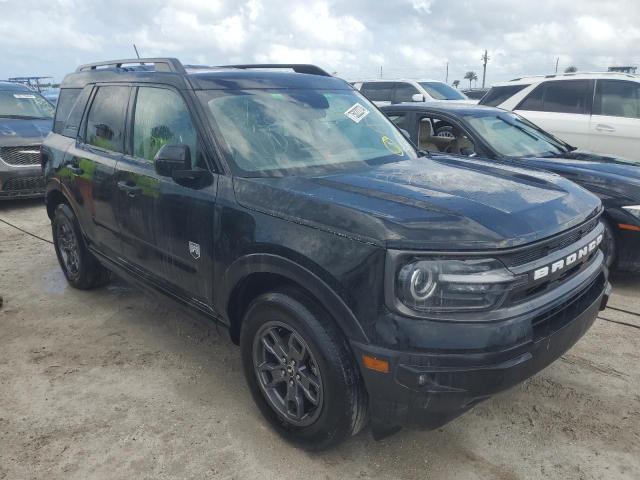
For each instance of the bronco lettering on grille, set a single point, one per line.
(578, 255)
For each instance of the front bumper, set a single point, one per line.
(430, 388)
(21, 182)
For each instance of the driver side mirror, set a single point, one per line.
(172, 158)
(418, 97)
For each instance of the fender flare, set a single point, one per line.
(279, 265)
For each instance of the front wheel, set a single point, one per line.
(300, 370)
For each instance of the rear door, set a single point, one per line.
(562, 107)
(615, 123)
(167, 227)
(89, 166)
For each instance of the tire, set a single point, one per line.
(302, 326)
(609, 245)
(80, 267)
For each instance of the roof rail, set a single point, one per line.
(296, 67)
(160, 64)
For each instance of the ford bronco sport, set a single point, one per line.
(362, 279)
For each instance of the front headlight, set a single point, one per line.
(633, 210)
(452, 285)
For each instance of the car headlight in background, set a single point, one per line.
(633, 210)
(453, 285)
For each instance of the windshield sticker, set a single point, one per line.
(23, 95)
(392, 146)
(357, 113)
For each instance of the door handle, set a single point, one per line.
(130, 189)
(75, 169)
(604, 128)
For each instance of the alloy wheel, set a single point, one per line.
(288, 373)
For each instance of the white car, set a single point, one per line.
(387, 92)
(599, 112)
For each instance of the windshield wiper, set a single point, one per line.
(423, 153)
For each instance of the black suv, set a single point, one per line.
(25, 119)
(361, 278)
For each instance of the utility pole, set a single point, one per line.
(557, 61)
(380, 71)
(485, 59)
(446, 79)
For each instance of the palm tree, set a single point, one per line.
(456, 83)
(471, 76)
(571, 69)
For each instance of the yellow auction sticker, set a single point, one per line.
(392, 146)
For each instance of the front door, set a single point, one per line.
(167, 227)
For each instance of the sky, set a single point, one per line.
(356, 39)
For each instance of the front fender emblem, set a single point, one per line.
(194, 250)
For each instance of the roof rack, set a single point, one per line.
(160, 64)
(573, 74)
(296, 67)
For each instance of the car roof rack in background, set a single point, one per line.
(160, 64)
(296, 67)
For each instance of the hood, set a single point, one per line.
(446, 203)
(14, 131)
(604, 175)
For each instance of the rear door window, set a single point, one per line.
(404, 92)
(497, 95)
(378, 91)
(617, 98)
(106, 118)
(562, 96)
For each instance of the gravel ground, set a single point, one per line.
(112, 384)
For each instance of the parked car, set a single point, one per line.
(386, 92)
(510, 139)
(360, 279)
(598, 112)
(25, 119)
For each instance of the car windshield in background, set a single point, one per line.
(277, 132)
(17, 104)
(512, 136)
(442, 91)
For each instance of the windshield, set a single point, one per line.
(442, 91)
(277, 132)
(25, 104)
(513, 136)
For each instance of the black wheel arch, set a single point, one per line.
(257, 273)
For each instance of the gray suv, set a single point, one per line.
(25, 119)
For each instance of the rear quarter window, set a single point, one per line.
(66, 101)
(497, 95)
(378, 91)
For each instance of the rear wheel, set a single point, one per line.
(300, 370)
(79, 266)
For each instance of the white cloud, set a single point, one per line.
(408, 38)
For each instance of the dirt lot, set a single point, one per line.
(112, 384)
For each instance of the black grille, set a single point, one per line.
(551, 321)
(21, 156)
(546, 248)
(24, 183)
